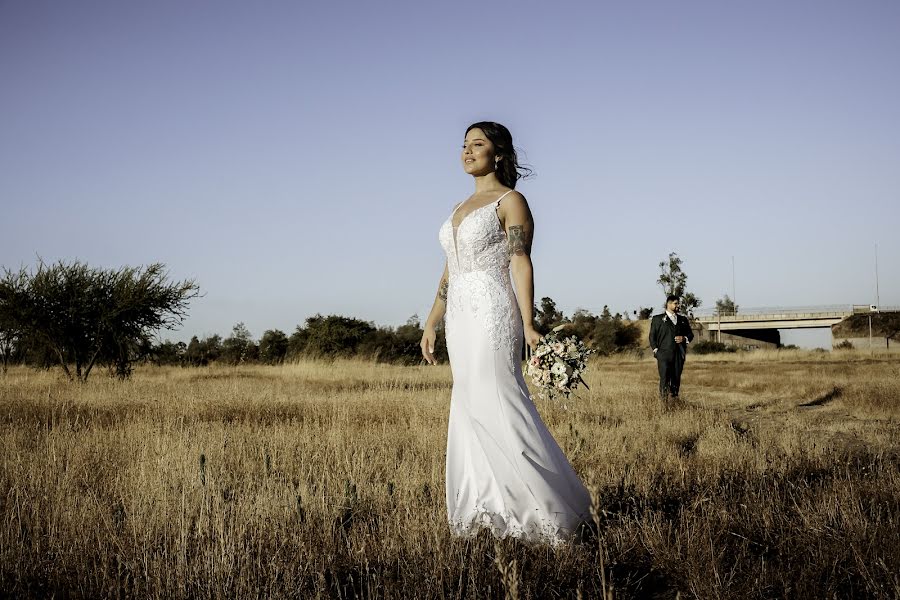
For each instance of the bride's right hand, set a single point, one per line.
(428, 338)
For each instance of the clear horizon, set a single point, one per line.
(298, 159)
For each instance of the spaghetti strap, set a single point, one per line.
(495, 203)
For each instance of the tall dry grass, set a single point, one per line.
(778, 478)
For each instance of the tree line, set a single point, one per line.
(335, 336)
(80, 317)
(328, 337)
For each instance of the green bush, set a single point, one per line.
(273, 346)
(239, 347)
(606, 333)
(710, 347)
(335, 335)
(400, 345)
(200, 353)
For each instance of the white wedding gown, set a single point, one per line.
(505, 471)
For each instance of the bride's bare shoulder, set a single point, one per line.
(514, 203)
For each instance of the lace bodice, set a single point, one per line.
(478, 262)
(477, 244)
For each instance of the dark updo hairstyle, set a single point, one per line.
(508, 168)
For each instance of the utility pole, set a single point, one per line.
(871, 347)
(877, 295)
(733, 292)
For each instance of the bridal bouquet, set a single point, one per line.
(557, 364)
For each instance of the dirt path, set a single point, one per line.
(830, 401)
(823, 416)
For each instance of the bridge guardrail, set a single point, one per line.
(772, 313)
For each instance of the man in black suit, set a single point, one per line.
(670, 333)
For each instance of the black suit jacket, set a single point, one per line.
(663, 332)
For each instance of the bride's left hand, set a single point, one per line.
(532, 337)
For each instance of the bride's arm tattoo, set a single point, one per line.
(443, 289)
(519, 240)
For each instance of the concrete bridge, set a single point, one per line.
(762, 324)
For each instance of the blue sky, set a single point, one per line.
(298, 158)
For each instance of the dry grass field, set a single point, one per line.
(778, 478)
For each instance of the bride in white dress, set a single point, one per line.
(505, 472)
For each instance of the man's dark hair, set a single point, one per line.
(671, 297)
